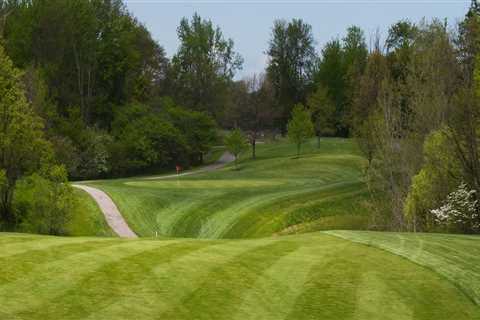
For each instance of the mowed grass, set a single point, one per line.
(275, 194)
(307, 276)
(88, 220)
(456, 257)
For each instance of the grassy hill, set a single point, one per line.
(277, 193)
(308, 276)
(318, 275)
(456, 257)
(88, 220)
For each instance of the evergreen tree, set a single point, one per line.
(331, 75)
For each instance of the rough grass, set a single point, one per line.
(88, 220)
(456, 257)
(274, 194)
(308, 276)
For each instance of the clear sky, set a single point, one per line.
(249, 22)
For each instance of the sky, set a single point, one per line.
(249, 22)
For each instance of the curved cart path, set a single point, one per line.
(225, 159)
(110, 211)
(113, 216)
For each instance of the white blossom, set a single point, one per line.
(459, 209)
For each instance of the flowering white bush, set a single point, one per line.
(460, 210)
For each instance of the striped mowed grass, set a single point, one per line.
(274, 194)
(317, 275)
(308, 276)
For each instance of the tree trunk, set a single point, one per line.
(6, 212)
(254, 142)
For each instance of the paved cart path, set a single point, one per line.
(113, 216)
(225, 159)
(110, 211)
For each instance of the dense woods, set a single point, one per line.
(85, 92)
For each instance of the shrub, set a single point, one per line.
(145, 140)
(236, 143)
(45, 201)
(300, 127)
(460, 211)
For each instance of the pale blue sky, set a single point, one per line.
(249, 22)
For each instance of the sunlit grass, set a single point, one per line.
(309, 276)
(263, 197)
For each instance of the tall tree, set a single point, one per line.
(22, 145)
(355, 59)
(332, 76)
(322, 110)
(365, 101)
(292, 59)
(253, 108)
(399, 45)
(93, 54)
(203, 67)
(468, 40)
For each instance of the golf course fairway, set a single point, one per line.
(245, 243)
(308, 276)
(275, 193)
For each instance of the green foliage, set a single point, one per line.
(365, 103)
(95, 154)
(22, 144)
(203, 67)
(144, 141)
(199, 130)
(93, 54)
(339, 70)
(292, 60)
(355, 53)
(236, 143)
(399, 43)
(439, 176)
(300, 126)
(45, 202)
(322, 110)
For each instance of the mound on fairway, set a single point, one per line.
(308, 276)
(277, 193)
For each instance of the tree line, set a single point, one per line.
(87, 93)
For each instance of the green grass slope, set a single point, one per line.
(456, 257)
(88, 220)
(308, 276)
(276, 193)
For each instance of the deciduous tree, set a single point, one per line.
(203, 67)
(322, 110)
(236, 143)
(291, 64)
(22, 145)
(300, 126)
